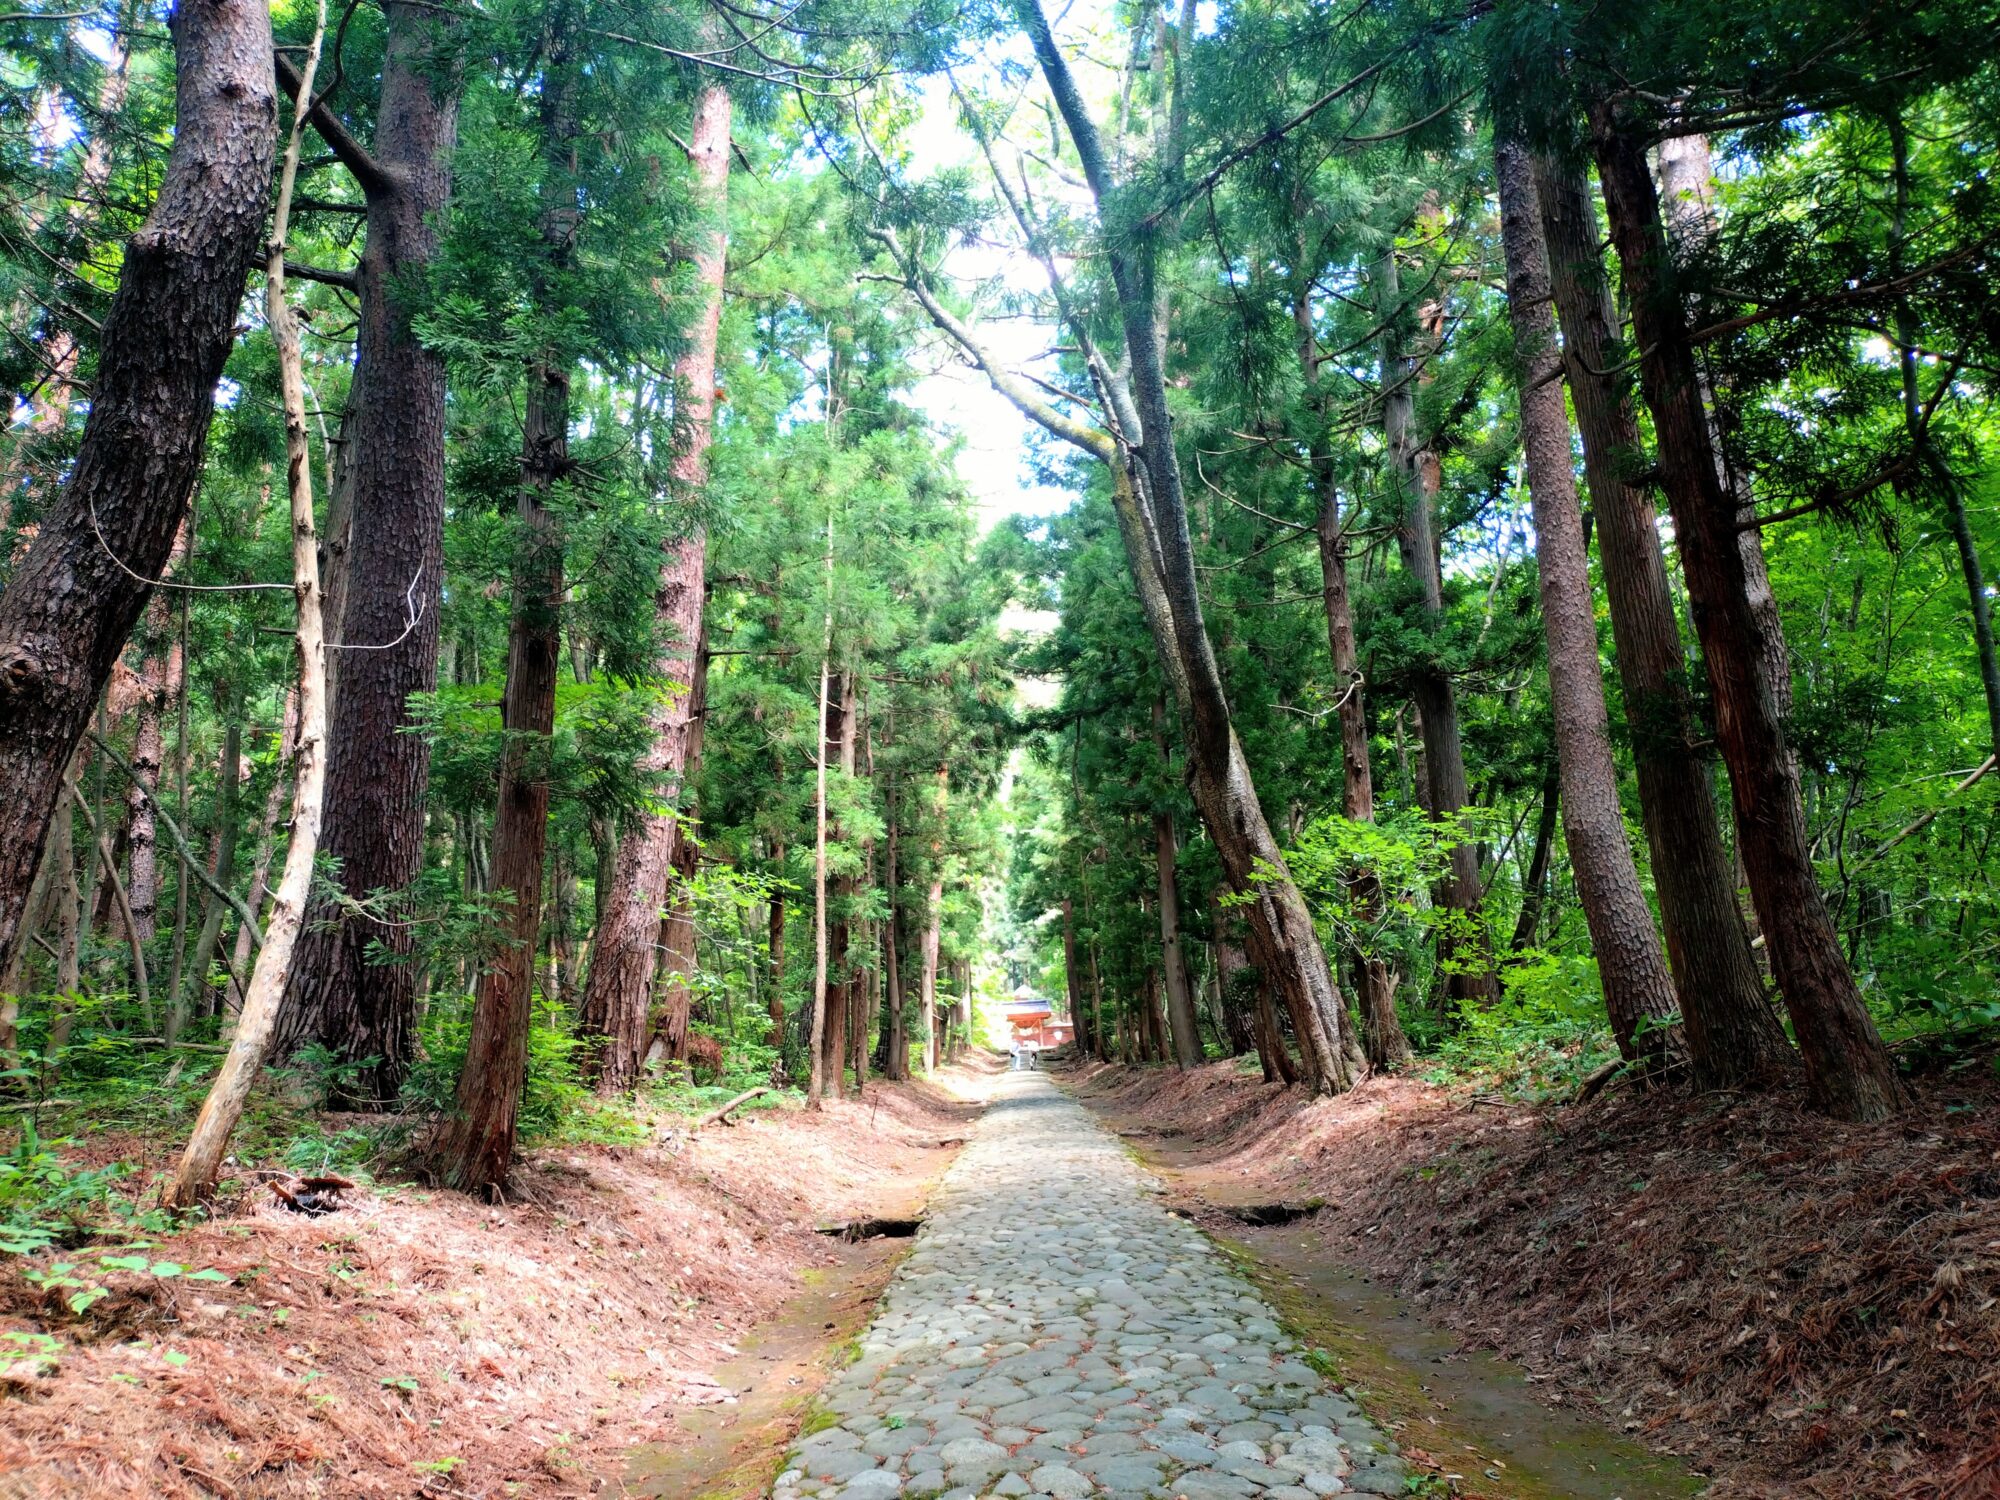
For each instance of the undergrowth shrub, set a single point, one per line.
(552, 1094)
(1542, 1038)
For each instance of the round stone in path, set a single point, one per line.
(1056, 1333)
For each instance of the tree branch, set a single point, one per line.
(215, 888)
(366, 171)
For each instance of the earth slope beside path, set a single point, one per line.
(1056, 1332)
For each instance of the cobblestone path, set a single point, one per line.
(1057, 1332)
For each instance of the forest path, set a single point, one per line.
(1057, 1332)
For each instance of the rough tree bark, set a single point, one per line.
(1733, 1036)
(72, 602)
(1638, 991)
(677, 932)
(392, 573)
(1849, 1073)
(621, 964)
(201, 1161)
(159, 683)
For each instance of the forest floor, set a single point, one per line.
(1793, 1307)
(419, 1343)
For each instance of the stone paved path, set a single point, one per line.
(1057, 1332)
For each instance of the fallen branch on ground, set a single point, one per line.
(715, 1114)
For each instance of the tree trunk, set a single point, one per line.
(1638, 991)
(672, 1014)
(1098, 1028)
(475, 1150)
(1687, 188)
(1382, 1038)
(839, 983)
(69, 922)
(70, 605)
(676, 934)
(1274, 1037)
(266, 846)
(341, 994)
(1073, 979)
(897, 1065)
(1180, 994)
(927, 994)
(40, 910)
(229, 771)
(1159, 549)
(621, 967)
(1733, 1037)
(1535, 884)
(775, 947)
(816, 1031)
(158, 682)
(1848, 1071)
(194, 1178)
(1463, 950)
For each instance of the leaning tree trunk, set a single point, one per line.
(71, 604)
(1687, 192)
(1732, 1034)
(621, 963)
(201, 1161)
(342, 995)
(1158, 546)
(1849, 1073)
(1638, 991)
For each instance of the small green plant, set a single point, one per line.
(80, 1294)
(30, 1356)
(45, 1204)
(407, 1384)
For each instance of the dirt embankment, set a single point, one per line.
(419, 1343)
(1793, 1306)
